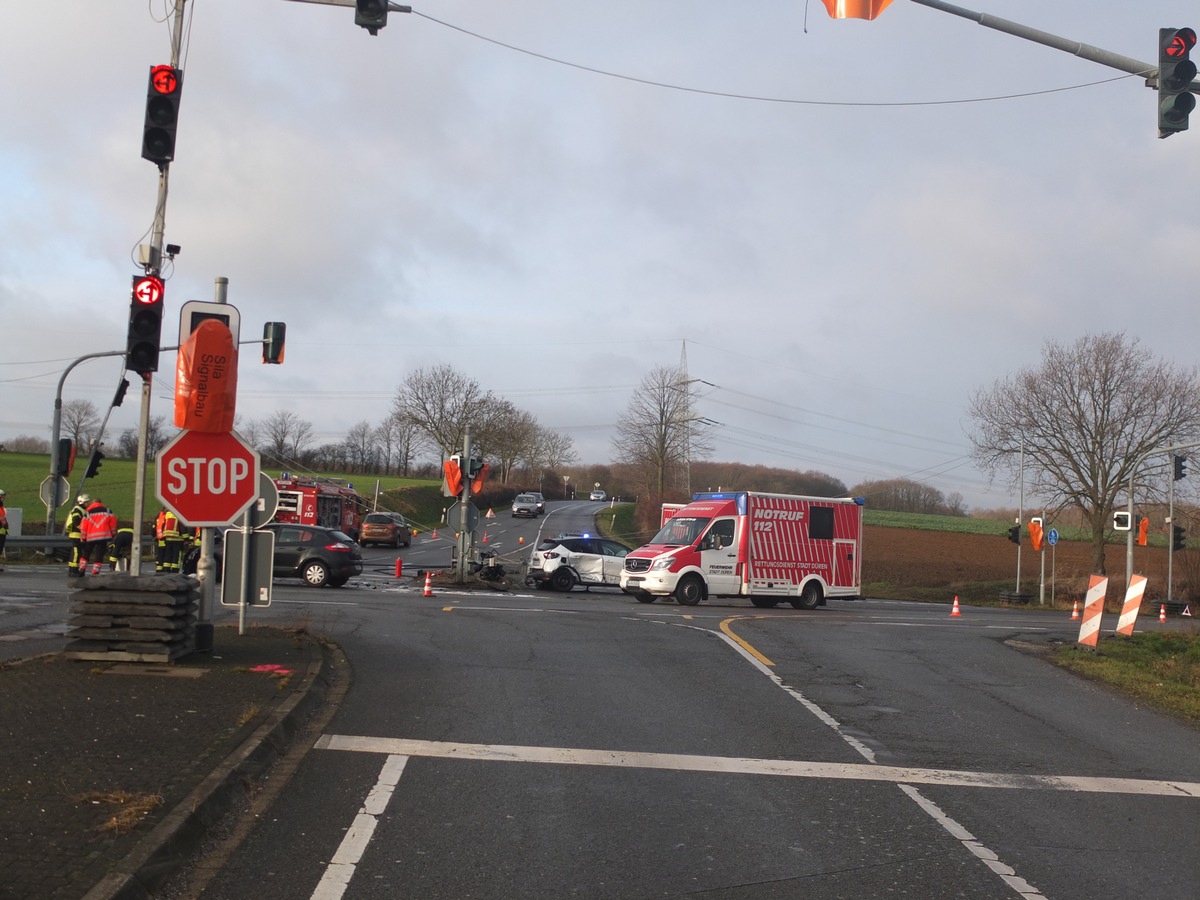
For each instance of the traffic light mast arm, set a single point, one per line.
(1085, 51)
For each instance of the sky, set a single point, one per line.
(847, 227)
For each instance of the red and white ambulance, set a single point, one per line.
(768, 547)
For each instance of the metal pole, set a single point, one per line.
(154, 267)
(1084, 51)
(460, 572)
(1171, 532)
(1020, 512)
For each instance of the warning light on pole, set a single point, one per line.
(145, 325)
(1175, 75)
(855, 9)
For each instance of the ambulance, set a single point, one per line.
(767, 547)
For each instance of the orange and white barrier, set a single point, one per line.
(1093, 610)
(1133, 603)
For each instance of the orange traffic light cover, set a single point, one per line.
(855, 9)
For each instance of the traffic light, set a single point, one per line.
(371, 14)
(273, 334)
(1175, 74)
(1014, 534)
(1180, 470)
(162, 114)
(1177, 539)
(145, 324)
(66, 456)
(94, 464)
(1121, 521)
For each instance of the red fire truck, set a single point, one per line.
(327, 502)
(768, 547)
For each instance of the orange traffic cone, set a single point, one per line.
(1075, 611)
(435, 534)
(428, 585)
(954, 611)
(1162, 613)
(485, 537)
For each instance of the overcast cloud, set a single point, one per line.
(846, 270)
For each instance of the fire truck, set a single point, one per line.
(327, 502)
(768, 547)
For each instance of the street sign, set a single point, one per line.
(263, 509)
(262, 554)
(454, 517)
(192, 313)
(207, 478)
(54, 491)
(1052, 536)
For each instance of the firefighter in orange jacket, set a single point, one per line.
(98, 528)
(160, 543)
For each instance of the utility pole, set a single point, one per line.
(153, 266)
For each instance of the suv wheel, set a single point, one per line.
(315, 573)
(562, 579)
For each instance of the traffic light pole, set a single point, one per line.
(1132, 473)
(153, 267)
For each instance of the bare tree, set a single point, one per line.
(27, 443)
(80, 419)
(657, 434)
(285, 435)
(360, 448)
(1083, 419)
(442, 402)
(511, 435)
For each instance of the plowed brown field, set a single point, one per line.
(904, 563)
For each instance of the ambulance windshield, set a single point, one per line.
(680, 531)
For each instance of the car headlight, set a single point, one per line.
(662, 563)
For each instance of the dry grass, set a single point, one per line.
(129, 808)
(249, 714)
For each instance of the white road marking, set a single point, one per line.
(572, 756)
(349, 853)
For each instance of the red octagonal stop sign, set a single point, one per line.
(207, 478)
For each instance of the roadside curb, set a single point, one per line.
(162, 852)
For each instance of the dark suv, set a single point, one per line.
(321, 556)
(385, 528)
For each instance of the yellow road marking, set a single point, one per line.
(743, 644)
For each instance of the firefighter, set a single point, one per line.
(160, 543)
(120, 550)
(98, 528)
(74, 520)
(173, 540)
(3, 529)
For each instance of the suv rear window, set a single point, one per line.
(378, 519)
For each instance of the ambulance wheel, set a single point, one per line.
(562, 580)
(810, 597)
(315, 573)
(689, 591)
(764, 602)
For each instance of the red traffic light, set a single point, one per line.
(164, 79)
(148, 290)
(1182, 41)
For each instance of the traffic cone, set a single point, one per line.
(1075, 611)
(954, 610)
(435, 534)
(485, 537)
(1162, 613)
(428, 585)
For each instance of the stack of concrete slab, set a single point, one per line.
(128, 618)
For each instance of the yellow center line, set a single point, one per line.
(744, 645)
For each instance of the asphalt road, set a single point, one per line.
(534, 744)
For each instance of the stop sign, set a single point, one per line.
(206, 477)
